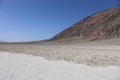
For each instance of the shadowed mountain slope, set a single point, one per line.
(99, 26)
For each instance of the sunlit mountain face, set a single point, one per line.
(102, 25)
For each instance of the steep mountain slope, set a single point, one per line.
(102, 25)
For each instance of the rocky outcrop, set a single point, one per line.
(102, 25)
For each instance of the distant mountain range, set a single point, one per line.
(2, 41)
(99, 26)
(45, 40)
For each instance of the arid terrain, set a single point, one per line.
(105, 52)
(86, 50)
(93, 41)
(99, 26)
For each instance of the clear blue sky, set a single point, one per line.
(29, 20)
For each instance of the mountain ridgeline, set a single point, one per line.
(99, 26)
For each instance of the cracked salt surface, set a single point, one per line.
(27, 67)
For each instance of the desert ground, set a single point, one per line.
(98, 60)
(97, 53)
(27, 67)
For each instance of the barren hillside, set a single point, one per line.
(102, 25)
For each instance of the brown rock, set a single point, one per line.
(102, 25)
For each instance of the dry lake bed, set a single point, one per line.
(98, 60)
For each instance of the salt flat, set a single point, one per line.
(99, 60)
(27, 67)
(98, 53)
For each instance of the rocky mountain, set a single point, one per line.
(102, 25)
